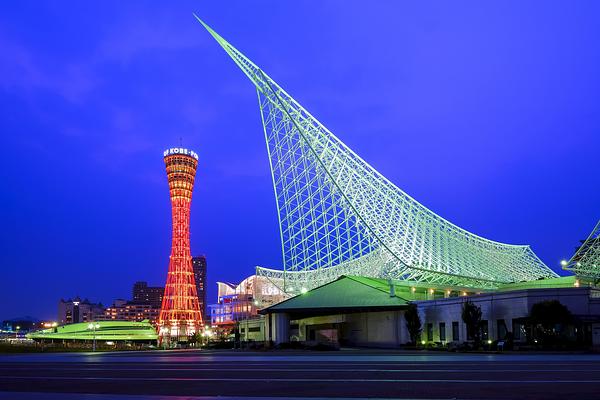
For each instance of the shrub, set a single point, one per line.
(413, 323)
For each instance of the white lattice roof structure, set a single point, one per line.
(586, 260)
(339, 216)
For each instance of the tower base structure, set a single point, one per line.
(171, 332)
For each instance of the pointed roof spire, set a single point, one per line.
(256, 75)
(214, 34)
(354, 220)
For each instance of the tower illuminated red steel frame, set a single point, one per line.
(180, 312)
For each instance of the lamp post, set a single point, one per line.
(163, 336)
(207, 334)
(93, 326)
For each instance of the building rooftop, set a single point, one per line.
(105, 330)
(553, 283)
(359, 293)
(347, 293)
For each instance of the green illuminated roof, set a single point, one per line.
(345, 293)
(107, 330)
(550, 283)
(360, 293)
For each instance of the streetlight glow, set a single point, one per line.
(93, 326)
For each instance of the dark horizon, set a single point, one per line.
(488, 115)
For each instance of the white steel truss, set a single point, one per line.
(586, 260)
(338, 215)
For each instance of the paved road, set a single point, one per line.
(307, 374)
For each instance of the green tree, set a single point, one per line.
(413, 323)
(195, 339)
(548, 320)
(471, 316)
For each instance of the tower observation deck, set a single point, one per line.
(180, 314)
(340, 216)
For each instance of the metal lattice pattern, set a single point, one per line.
(586, 260)
(338, 215)
(180, 312)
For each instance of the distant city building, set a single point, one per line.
(232, 308)
(76, 310)
(25, 324)
(123, 310)
(242, 301)
(199, 267)
(144, 294)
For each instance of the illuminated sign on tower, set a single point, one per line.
(180, 312)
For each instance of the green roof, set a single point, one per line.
(107, 330)
(548, 283)
(358, 293)
(345, 293)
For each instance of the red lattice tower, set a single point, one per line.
(180, 312)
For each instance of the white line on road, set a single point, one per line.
(316, 369)
(596, 381)
(224, 363)
(96, 396)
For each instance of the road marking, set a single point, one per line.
(316, 369)
(224, 363)
(92, 396)
(363, 380)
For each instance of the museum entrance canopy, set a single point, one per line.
(345, 294)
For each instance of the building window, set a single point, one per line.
(502, 331)
(429, 332)
(519, 330)
(484, 330)
(455, 336)
(442, 331)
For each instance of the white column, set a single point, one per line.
(282, 328)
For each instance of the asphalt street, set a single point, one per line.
(343, 374)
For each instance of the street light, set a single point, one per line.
(93, 326)
(163, 333)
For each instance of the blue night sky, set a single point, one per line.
(487, 113)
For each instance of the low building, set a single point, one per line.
(109, 331)
(77, 310)
(360, 311)
(237, 302)
(231, 308)
(353, 311)
(16, 325)
(507, 311)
